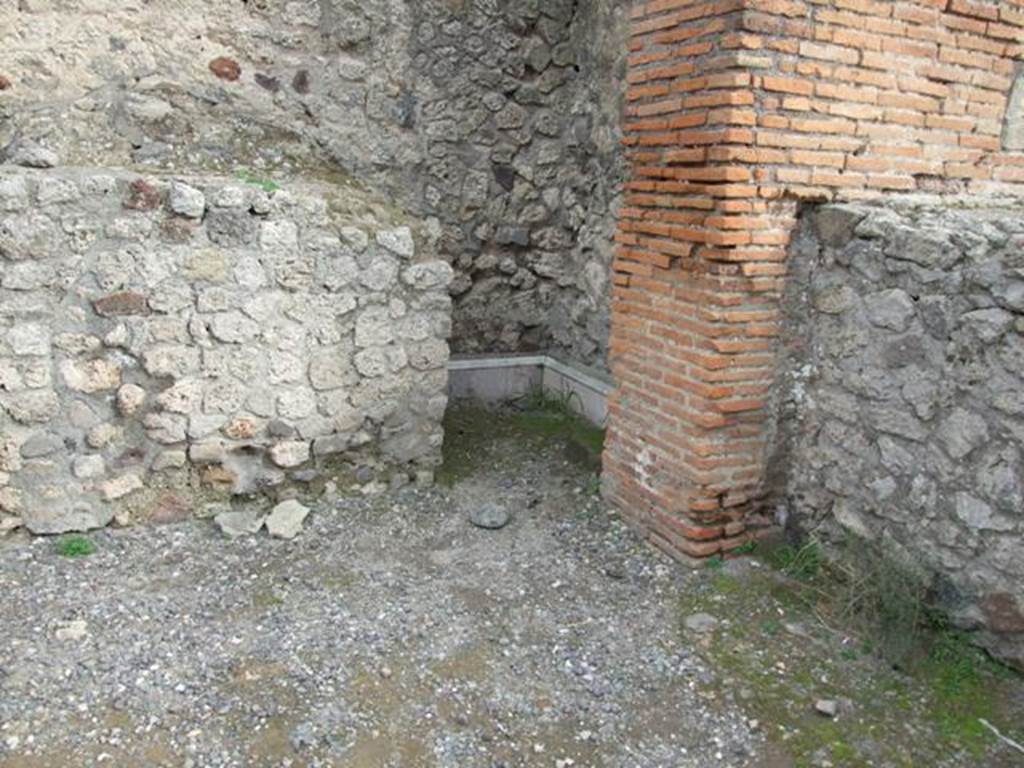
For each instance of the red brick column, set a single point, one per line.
(737, 110)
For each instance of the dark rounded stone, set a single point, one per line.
(300, 83)
(267, 83)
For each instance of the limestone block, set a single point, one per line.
(399, 241)
(122, 486)
(130, 398)
(91, 376)
(292, 453)
(186, 200)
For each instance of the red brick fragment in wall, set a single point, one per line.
(142, 196)
(737, 111)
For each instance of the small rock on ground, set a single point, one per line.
(73, 630)
(490, 516)
(285, 520)
(235, 524)
(701, 623)
(826, 707)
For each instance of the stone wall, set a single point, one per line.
(902, 405)
(210, 335)
(496, 122)
(737, 111)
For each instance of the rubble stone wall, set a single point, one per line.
(902, 406)
(208, 334)
(496, 122)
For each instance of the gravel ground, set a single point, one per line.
(392, 632)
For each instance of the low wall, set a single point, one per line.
(903, 415)
(207, 334)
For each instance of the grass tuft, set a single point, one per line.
(75, 546)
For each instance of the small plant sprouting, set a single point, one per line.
(714, 563)
(746, 548)
(771, 627)
(267, 185)
(803, 563)
(75, 546)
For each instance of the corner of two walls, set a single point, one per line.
(743, 117)
(738, 112)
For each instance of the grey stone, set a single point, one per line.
(32, 407)
(289, 454)
(826, 707)
(234, 524)
(73, 631)
(835, 299)
(29, 339)
(835, 224)
(120, 487)
(701, 623)
(988, 325)
(91, 376)
(89, 466)
(130, 398)
(978, 515)
(399, 241)
(102, 435)
(286, 519)
(41, 444)
(208, 452)
(170, 460)
(67, 517)
(430, 275)
(229, 228)
(962, 432)
(490, 515)
(31, 155)
(892, 309)
(374, 327)
(280, 428)
(186, 200)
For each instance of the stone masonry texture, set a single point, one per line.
(205, 335)
(737, 113)
(497, 122)
(615, 181)
(901, 394)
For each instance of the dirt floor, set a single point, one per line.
(393, 632)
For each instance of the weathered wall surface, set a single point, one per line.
(737, 110)
(497, 122)
(206, 334)
(902, 381)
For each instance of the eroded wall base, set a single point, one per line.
(901, 382)
(208, 335)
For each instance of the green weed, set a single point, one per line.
(75, 546)
(267, 185)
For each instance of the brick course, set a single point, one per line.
(737, 112)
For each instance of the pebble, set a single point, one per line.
(826, 707)
(240, 523)
(701, 623)
(286, 519)
(490, 516)
(73, 630)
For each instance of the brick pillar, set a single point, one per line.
(736, 111)
(697, 285)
